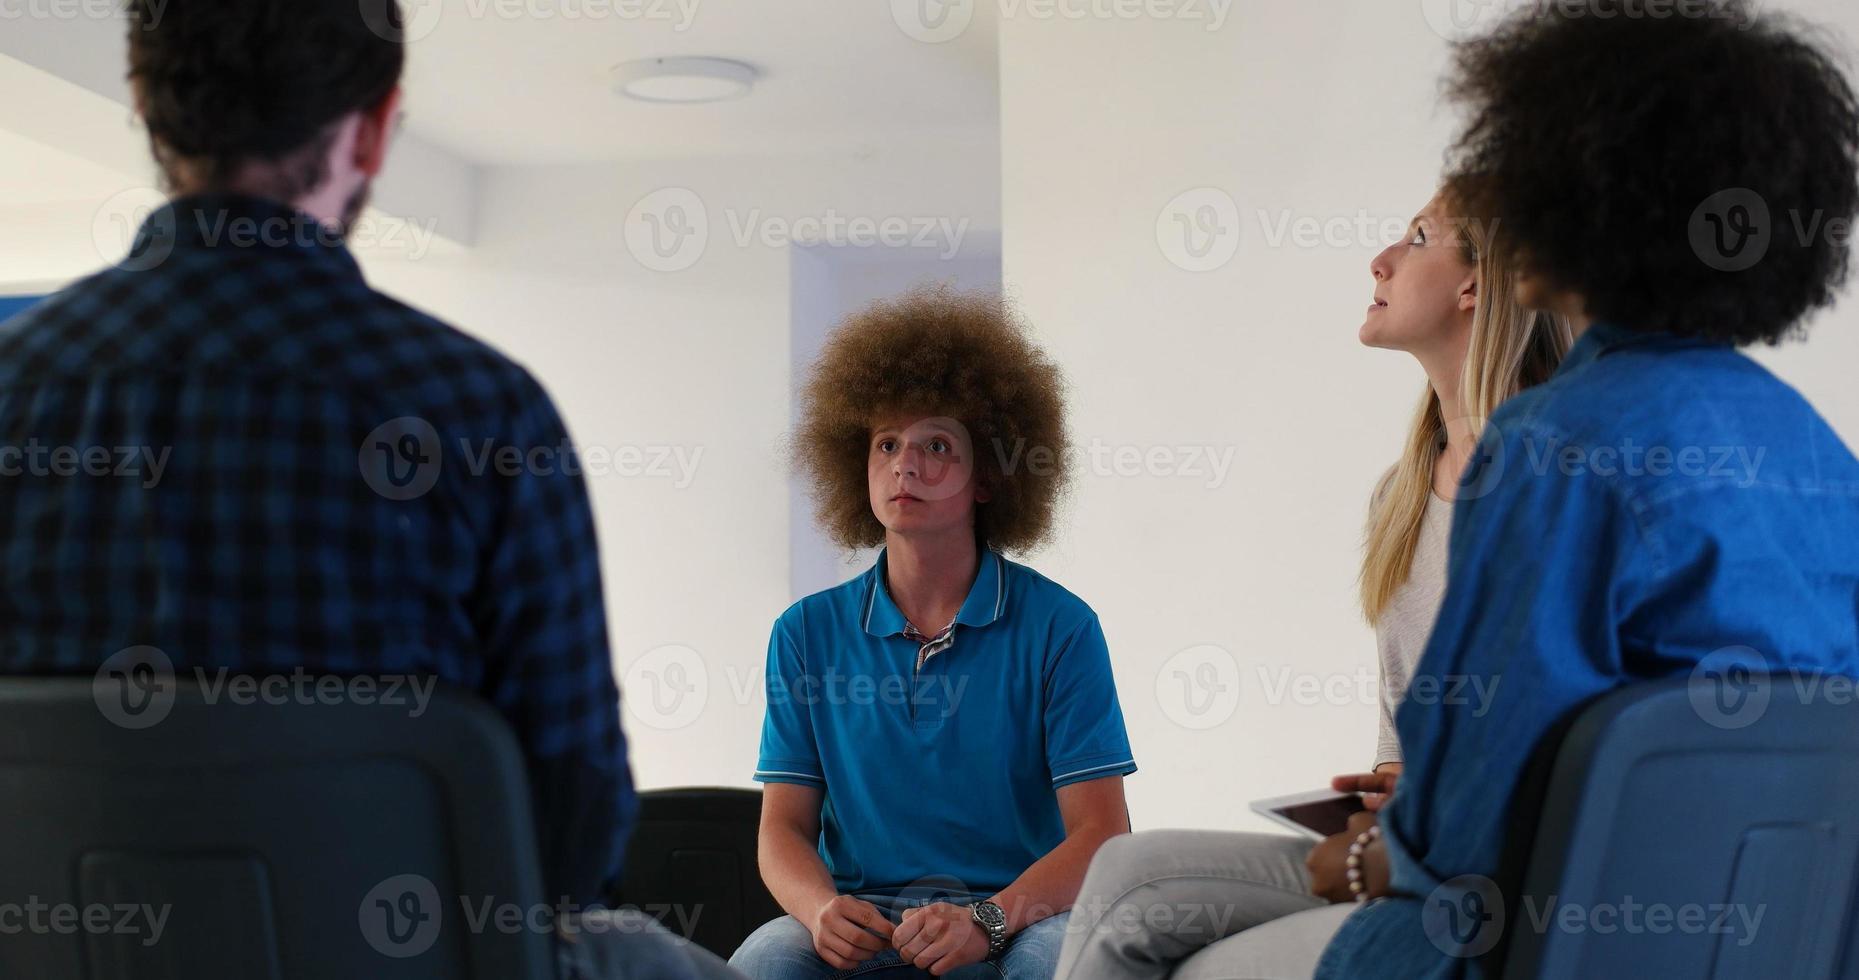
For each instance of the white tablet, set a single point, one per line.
(1318, 813)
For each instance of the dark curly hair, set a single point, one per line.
(1613, 150)
(965, 356)
(224, 84)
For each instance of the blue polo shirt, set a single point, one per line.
(947, 774)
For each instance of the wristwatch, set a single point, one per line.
(992, 921)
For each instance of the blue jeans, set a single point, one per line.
(627, 944)
(783, 950)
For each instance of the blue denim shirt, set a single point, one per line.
(1657, 501)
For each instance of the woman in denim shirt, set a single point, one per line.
(1678, 187)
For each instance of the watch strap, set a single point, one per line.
(993, 921)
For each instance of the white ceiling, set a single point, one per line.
(521, 82)
(494, 83)
(836, 75)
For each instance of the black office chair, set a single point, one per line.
(1742, 794)
(298, 841)
(691, 862)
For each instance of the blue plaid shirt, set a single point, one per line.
(230, 448)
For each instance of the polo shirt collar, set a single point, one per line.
(986, 598)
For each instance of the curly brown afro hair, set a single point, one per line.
(962, 355)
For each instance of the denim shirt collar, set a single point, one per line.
(985, 599)
(1603, 336)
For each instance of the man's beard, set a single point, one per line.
(353, 207)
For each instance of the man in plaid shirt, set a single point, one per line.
(229, 448)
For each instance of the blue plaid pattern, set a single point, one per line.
(230, 448)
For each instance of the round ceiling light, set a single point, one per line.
(683, 80)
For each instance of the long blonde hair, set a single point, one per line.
(1511, 348)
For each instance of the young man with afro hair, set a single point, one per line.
(943, 748)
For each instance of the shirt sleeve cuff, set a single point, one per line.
(788, 771)
(1081, 770)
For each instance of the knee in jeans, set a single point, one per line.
(781, 940)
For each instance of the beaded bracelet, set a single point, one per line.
(1357, 886)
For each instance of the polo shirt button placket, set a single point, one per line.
(927, 651)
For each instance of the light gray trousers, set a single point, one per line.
(1198, 905)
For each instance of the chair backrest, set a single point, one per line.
(691, 863)
(289, 836)
(1698, 830)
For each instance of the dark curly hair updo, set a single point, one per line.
(221, 84)
(939, 352)
(1693, 174)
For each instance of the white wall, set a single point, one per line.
(1299, 111)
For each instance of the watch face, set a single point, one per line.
(990, 916)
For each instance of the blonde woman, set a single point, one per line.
(1204, 904)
